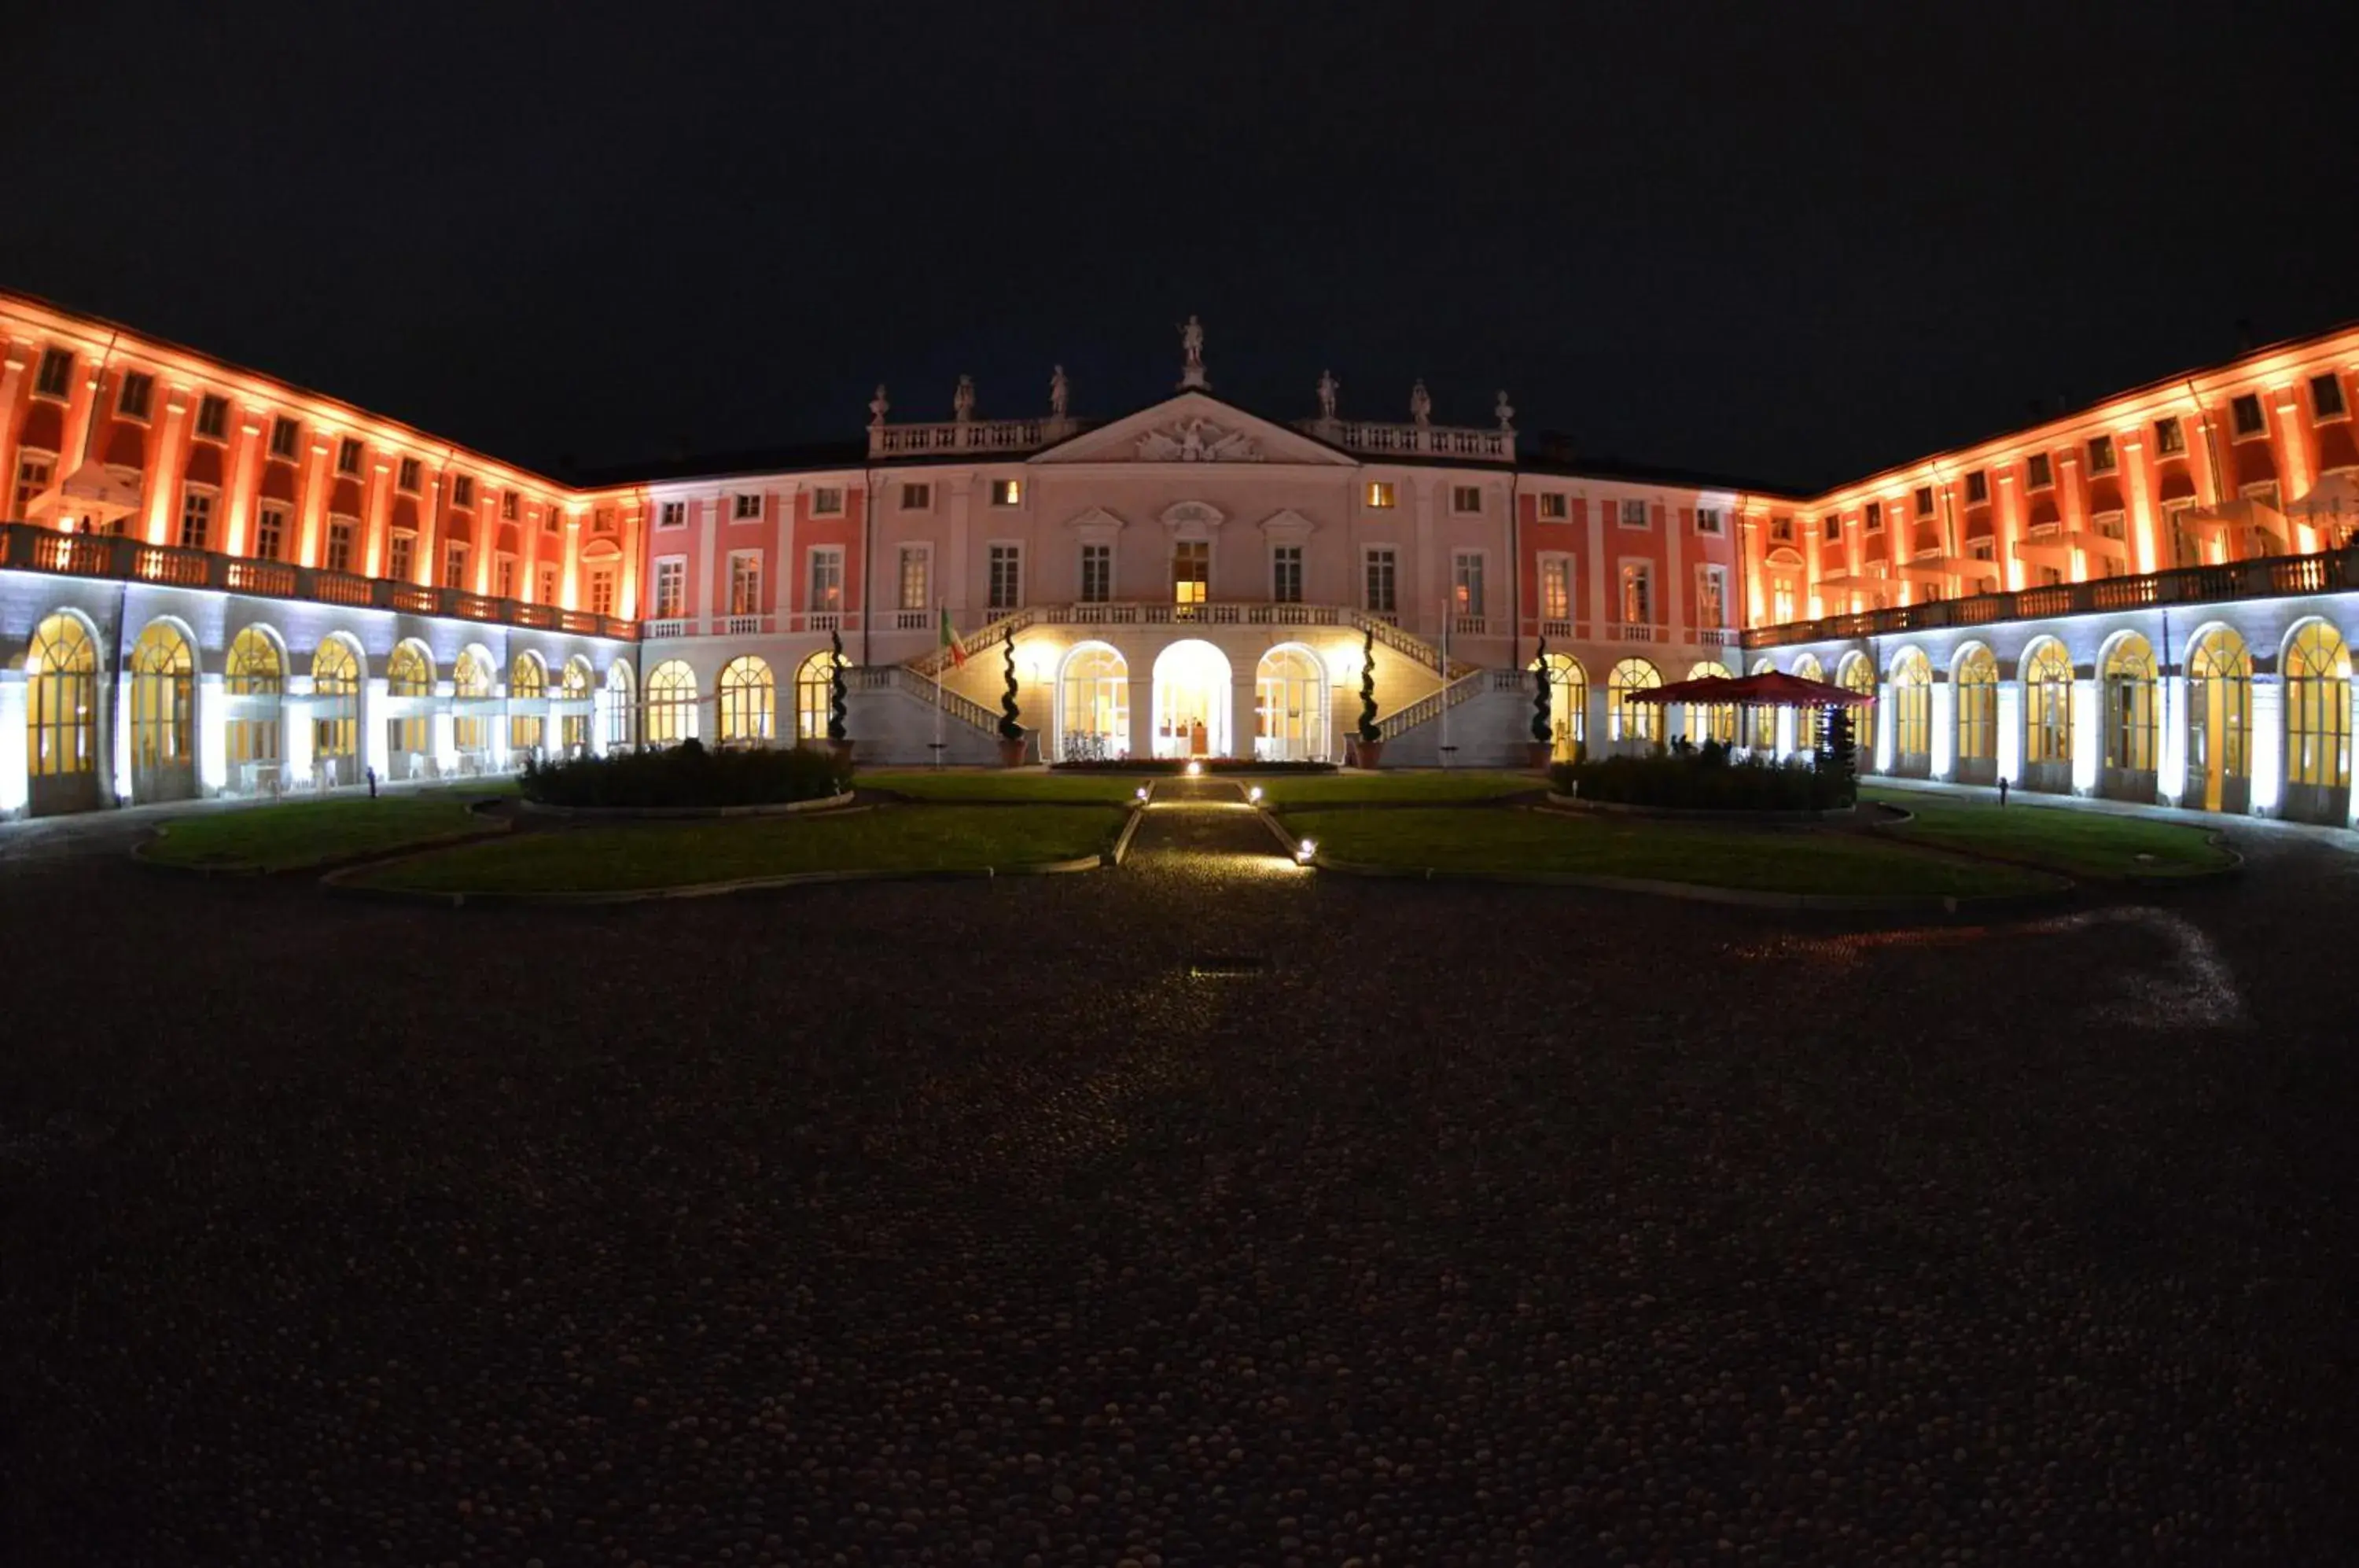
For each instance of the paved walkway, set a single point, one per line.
(2336, 838)
(1204, 820)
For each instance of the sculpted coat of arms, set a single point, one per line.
(1195, 439)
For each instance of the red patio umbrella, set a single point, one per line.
(1771, 689)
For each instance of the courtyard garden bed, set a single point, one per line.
(1420, 786)
(645, 858)
(688, 776)
(2079, 843)
(1705, 779)
(972, 784)
(296, 836)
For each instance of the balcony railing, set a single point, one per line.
(2264, 577)
(25, 546)
(969, 435)
(1415, 441)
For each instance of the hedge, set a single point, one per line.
(687, 775)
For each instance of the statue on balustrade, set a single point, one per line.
(1058, 393)
(878, 408)
(962, 400)
(1420, 404)
(1328, 387)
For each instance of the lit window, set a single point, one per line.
(671, 588)
(1976, 680)
(747, 704)
(917, 497)
(917, 565)
(745, 583)
(1380, 493)
(1465, 497)
(1633, 513)
(1977, 487)
(1007, 492)
(1711, 596)
(1637, 594)
(1191, 569)
(1626, 720)
(2169, 437)
(2038, 474)
(405, 477)
(33, 474)
(1555, 507)
(212, 417)
(602, 590)
(348, 456)
(2128, 695)
(2101, 454)
(749, 504)
(138, 393)
(2048, 704)
(1556, 588)
(2246, 411)
(56, 377)
(827, 501)
(1383, 582)
(1466, 583)
(827, 579)
(285, 435)
(269, 532)
(2326, 395)
(672, 515)
(671, 703)
(196, 519)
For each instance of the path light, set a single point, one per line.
(1194, 768)
(1308, 848)
(1253, 796)
(1142, 794)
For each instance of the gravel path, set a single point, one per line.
(1205, 1212)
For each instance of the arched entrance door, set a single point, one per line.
(1191, 701)
(2130, 687)
(163, 715)
(1290, 707)
(2219, 721)
(62, 718)
(1093, 705)
(1568, 717)
(335, 713)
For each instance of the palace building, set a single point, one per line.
(214, 582)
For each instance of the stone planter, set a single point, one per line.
(841, 750)
(1011, 752)
(1538, 754)
(1366, 753)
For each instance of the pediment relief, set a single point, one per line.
(1193, 427)
(1192, 519)
(1097, 523)
(1194, 438)
(1288, 523)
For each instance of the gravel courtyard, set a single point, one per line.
(1205, 1212)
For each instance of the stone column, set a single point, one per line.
(295, 733)
(114, 738)
(2267, 756)
(1786, 719)
(212, 734)
(2088, 737)
(1945, 732)
(1245, 694)
(1884, 726)
(2010, 731)
(374, 750)
(2171, 740)
(443, 731)
(1142, 708)
(16, 786)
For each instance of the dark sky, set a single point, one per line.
(1781, 242)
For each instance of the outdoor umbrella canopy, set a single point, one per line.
(1770, 690)
(2333, 503)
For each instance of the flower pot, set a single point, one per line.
(1539, 753)
(1366, 753)
(841, 750)
(1011, 752)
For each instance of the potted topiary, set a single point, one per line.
(838, 740)
(1542, 746)
(1368, 747)
(1011, 731)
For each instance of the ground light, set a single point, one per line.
(1194, 768)
(1304, 851)
(1142, 794)
(1253, 796)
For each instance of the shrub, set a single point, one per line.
(835, 689)
(1369, 729)
(685, 775)
(1011, 717)
(1160, 765)
(1705, 779)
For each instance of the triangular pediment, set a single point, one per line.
(1194, 428)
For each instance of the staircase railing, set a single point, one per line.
(901, 678)
(1433, 704)
(928, 663)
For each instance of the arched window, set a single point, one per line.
(1567, 686)
(528, 677)
(409, 673)
(163, 715)
(1764, 725)
(578, 680)
(2048, 703)
(748, 702)
(2219, 715)
(470, 683)
(813, 680)
(1808, 720)
(1975, 684)
(1628, 721)
(2129, 704)
(1093, 724)
(1711, 721)
(1858, 675)
(2317, 707)
(1289, 706)
(672, 704)
(410, 737)
(528, 682)
(254, 669)
(61, 700)
(574, 728)
(1912, 703)
(622, 708)
(335, 709)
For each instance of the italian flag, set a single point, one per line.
(950, 641)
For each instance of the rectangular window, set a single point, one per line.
(212, 417)
(1924, 500)
(269, 532)
(1465, 497)
(917, 567)
(1556, 588)
(602, 521)
(1466, 582)
(1555, 506)
(1872, 520)
(454, 565)
(348, 456)
(1286, 574)
(549, 585)
(1192, 571)
(504, 578)
(1832, 527)
(827, 501)
(602, 590)
(2169, 436)
(1097, 573)
(2246, 411)
(405, 477)
(1007, 492)
(672, 515)
(917, 497)
(1781, 600)
(1983, 549)
(196, 519)
(671, 588)
(1781, 530)
(56, 377)
(1710, 521)
(463, 493)
(744, 506)
(340, 544)
(1977, 487)
(1633, 513)
(401, 557)
(33, 472)
(1382, 573)
(1637, 594)
(1711, 596)
(2101, 454)
(509, 505)
(2326, 395)
(1005, 588)
(745, 583)
(2037, 473)
(1380, 493)
(552, 517)
(138, 392)
(285, 435)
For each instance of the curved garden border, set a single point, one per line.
(1737, 815)
(334, 883)
(2216, 837)
(351, 862)
(666, 814)
(1703, 893)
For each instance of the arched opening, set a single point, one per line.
(1761, 729)
(336, 713)
(573, 720)
(1568, 690)
(471, 721)
(1291, 706)
(2047, 717)
(253, 685)
(163, 715)
(1973, 684)
(527, 705)
(1709, 721)
(814, 682)
(1856, 674)
(409, 727)
(749, 703)
(1912, 713)
(2127, 674)
(2317, 665)
(2219, 721)
(672, 704)
(1808, 721)
(62, 718)
(621, 709)
(1191, 701)
(1633, 726)
(1093, 705)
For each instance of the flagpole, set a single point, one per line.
(941, 657)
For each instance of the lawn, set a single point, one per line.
(2082, 843)
(677, 855)
(1423, 786)
(297, 834)
(1000, 784)
(1441, 839)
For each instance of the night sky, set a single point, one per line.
(1788, 244)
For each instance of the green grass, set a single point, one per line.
(989, 784)
(1421, 788)
(2083, 844)
(1527, 841)
(677, 855)
(298, 833)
